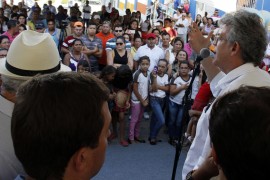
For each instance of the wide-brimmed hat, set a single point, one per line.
(31, 53)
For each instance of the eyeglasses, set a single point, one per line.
(218, 38)
(119, 44)
(118, 30)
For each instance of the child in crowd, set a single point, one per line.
(139, 98)
(122, 88)
(107, 76)
(178, 86)
(158, 88)
(83, 66)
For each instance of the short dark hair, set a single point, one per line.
(107, 70)
(137, 37)
(118, 26)
(161, 22)
(12, 23)
(164, 33)
(2, 37)
(144, 58)
(92, 24)
(239, 128)
(184, 62)
(156, 30)
(168, 19)
(50, 20)
(54, 116)
(163, 60)
(13, 15)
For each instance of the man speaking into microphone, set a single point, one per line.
(240, 46)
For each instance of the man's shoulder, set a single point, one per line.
(69, 37)
(112, 40)
(158, 49)
(143, 47)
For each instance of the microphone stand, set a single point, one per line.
(187, 103)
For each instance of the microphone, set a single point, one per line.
(204, 53)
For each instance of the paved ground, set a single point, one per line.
(141, 161)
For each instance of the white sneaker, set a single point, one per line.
(146, 115)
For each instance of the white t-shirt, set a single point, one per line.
(87, 15)
(154, 54)
(182, 30)
(143, 83)
(161, 81)
(178, 81)
(195, 87)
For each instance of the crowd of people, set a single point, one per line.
(146, 68)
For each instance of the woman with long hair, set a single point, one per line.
(177, 44)
(181, 56)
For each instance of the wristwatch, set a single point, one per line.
(189, 175)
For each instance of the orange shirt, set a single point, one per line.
(104, 38)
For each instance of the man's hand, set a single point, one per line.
(207, 170)
(196, 38)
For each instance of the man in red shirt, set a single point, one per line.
(78, 33)
(168, 28)
(104, 35)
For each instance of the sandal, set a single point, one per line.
(139, 140)
(130, 141)
(124, 143)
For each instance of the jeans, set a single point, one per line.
(157, 118)
(176, 114)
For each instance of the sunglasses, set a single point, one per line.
(119, 44)
(118, 30)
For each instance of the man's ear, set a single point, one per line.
(214, 155)
(81, 159)
(235, 48)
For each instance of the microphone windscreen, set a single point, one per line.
(204, 53)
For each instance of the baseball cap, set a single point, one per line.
(78, 23)
(150, 35)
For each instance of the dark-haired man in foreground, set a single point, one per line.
(60, 126)
(239, 129)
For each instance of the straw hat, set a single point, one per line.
(31, 53)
